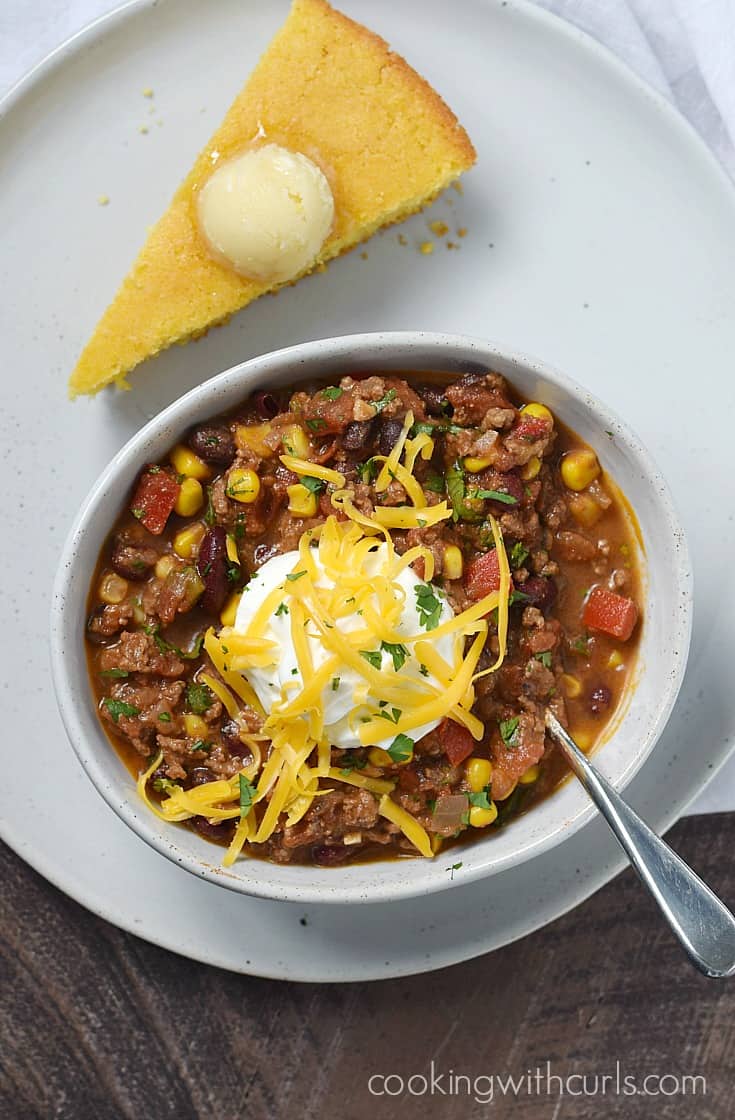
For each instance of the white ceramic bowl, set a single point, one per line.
(663, 651)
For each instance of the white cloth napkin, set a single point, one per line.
(683, 48)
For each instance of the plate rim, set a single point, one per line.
(555, 25)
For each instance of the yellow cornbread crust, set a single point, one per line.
(325, 86)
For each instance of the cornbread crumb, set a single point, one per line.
(364, 255)
(439, 228)
(462, 231)
(402, 239)
(148, 92)
(103, 199)
(452, 245)
(458, 187)
(427, 248)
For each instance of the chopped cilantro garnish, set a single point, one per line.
(316, 424)
(118, 708)
(240, 522)
(313, 485)
(544, 658)
(518, 555)
(581, 645)
(457, 493)
(373, 657)
(398, 652)
(115, 673)
(201, 745)
(281, 609)
(198, 697)
(401, 749)
(335, 684)
(293, 576)
(480, 800)
(247, 795)
(332, 392)
(435, 483)
(385, 400)
(428, 606)
(509, 731)
(368, 471)
(138, 513)
(392, 716)
(494, 495)
(453, 868)
(165, 717)
(238, 489)
(423, 669)
(209, 514)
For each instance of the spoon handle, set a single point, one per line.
(703, 924)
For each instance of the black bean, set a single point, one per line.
(266, 405)
(199, 776)
(357, 434)
(390, 431)
(435, 401)
(540, 592)
(230, 733)
(330, 855)
(214, 444)
(212, 568)
(600, 699)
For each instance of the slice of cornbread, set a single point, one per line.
(328, 87)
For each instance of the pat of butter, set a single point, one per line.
(267, 212)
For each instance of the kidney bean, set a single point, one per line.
(506, 482)
(214, 444)
(330, 855)
(357, 434)
(220, 833)
(540, 592)
(435, 401)
(388, 435)
(212, 568)
(266, 405)
(230, 733)
(600, 699)
(199, 776)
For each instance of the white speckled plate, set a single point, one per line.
(600, 237)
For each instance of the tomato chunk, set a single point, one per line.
(532, 428)
(483, 575)
(457, 742)
(613, 614)
(154, 499)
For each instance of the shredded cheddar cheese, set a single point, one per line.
(292, 754)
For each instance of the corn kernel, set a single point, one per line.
(528, 777)
(190, 499)
(164, 566)
(195, 726)
(229, 611)
(479, 772)
(243, 485)
(480, 818)
(113, 588)
(615, 660)
(540, 411)
(572, 685)
(301, 502)
(583, 739)
(378, 757)
(452, 562)
(251, 437)
(473, 464)
(531, 469)
(585, 510)
(186, 543)
(232, 554)
(579, 468)
(296, 442)
(187, 463)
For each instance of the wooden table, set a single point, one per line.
(95, 1023)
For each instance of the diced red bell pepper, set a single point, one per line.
(483, 575)
(154, 498)
(613, 614)
(457, 742)
(532, 428)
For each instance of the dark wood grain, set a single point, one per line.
(97, 1024)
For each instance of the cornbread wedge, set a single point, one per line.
(327, 87)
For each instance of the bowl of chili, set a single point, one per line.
(519, 519)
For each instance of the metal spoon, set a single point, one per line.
(704, 926)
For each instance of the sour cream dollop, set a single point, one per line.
(267, 212)
(344, 700)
